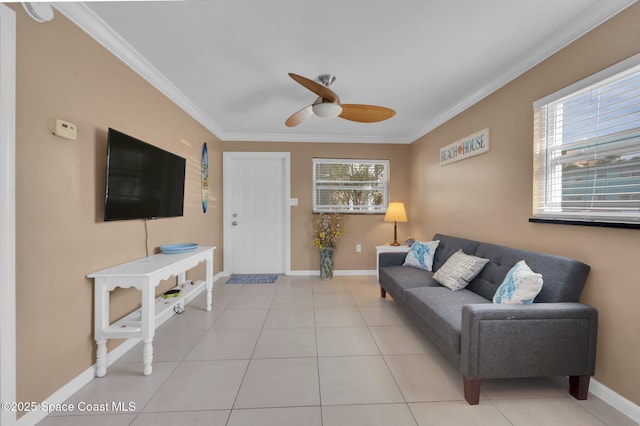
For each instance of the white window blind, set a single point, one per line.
(587, 149)
(350, 186)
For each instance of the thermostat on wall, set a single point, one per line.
(64, 129)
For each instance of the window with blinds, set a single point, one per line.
(587, 149)
(350, 186)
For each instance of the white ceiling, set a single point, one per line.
(226, 61)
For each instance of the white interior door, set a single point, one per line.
(256, 199)
(7, 212)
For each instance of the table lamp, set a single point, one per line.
(395, 213)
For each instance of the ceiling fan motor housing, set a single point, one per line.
(326, 79)
(323, 107)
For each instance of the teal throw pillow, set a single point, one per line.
(421, 254)
(520, 286)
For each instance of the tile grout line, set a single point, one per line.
(183, 360)
(315, 332)
(244, 376)
(247, 367)
(379, 315)
(248, 362)
(388, 368)
(179, 363)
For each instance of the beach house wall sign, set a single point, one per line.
(474, 144)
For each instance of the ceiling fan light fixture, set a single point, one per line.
(327, 110)
(327, 104)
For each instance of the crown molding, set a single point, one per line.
(87, 20)
(599, 13)
(81, 15)
(324, 138)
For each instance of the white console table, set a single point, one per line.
(145, 275)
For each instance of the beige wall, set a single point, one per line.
(61, 238)
(488, 197)
(367, 230)
(63, 73)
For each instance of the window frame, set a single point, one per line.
(352, 209)
(548, 196)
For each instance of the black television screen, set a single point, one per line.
(143, 181)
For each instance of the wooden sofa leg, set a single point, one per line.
(472, 390)
(579, 386)
(383, 292)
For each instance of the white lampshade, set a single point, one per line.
(395, 213)
(327, 110)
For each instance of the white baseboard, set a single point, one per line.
(66, 391)
(301, 273)
(316, 272)
(352, 273)
(599, 390)
(219, 275)
(615, 400)
(596, 388)
(337, 272)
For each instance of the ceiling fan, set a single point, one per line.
(328, 104)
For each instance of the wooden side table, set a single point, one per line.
(386, 248)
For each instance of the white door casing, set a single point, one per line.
(257, 218)
(7, 212)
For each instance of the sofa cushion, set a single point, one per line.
(421, 254)
(459, 270)
(520, 286)
(397, 279)
(449, 245)
(441, 309)
(563, 278)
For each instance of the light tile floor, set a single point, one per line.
(311, 352)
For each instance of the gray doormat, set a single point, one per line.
(253, 279)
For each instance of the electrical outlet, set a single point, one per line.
(64, 129)
(358, 248)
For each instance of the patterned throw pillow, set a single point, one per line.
(459, 269)
(520, 286)
(421, 254)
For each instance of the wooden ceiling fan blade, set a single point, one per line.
(366, 113)
(317, 88)
(298, 117)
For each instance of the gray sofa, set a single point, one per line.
(554, 336)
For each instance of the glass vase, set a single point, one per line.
(326, 263)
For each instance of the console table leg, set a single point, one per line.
(209, 296)
(101, 357)
(209, 281)
(147, 356)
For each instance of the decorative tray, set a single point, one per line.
(178, 248)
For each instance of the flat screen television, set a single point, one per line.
(143, 181)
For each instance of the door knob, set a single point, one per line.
(234, 223)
